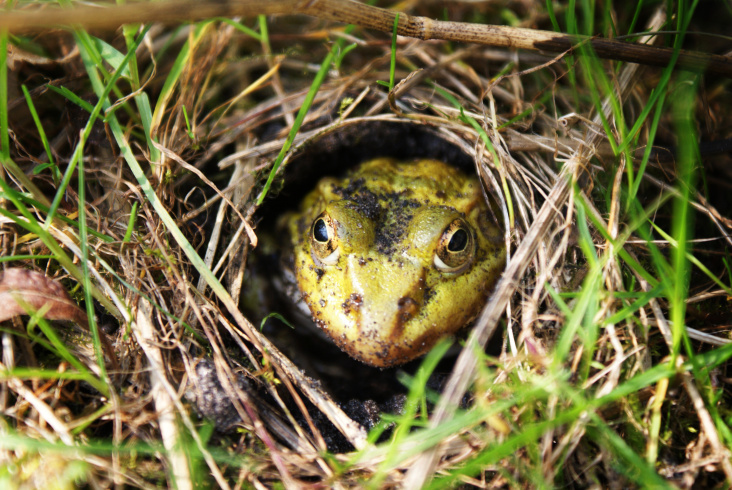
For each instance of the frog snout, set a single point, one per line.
(392, 294)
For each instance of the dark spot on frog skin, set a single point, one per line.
(367, 203)
(319, 272)
(408, 307)
(393, 231)
(428, 294)
(353, 303)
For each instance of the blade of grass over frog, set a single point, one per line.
(488, 144)
(84, 41)
(55, 172)
(314, 87)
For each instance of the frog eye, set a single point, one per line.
(324, 240)
(456, 247)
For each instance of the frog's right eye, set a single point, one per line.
(324, 240)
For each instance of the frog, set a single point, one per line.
(392, 257)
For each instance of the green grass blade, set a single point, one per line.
(56, 173)
(4, 128)
(309, 98)
(392, 63)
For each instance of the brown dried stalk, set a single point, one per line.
(350, 11)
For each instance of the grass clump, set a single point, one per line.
(134, 161)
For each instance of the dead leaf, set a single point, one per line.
(20, 287)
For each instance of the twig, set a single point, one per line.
(350, 11)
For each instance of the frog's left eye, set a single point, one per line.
(324, 240)
(456, 247)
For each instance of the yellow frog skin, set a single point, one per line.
(394, 256)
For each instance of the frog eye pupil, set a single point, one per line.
(456, 248)
(325, 246)
(320, 230)
(458, 241)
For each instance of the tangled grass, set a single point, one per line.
(134, 161)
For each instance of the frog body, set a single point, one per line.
(394, 256)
